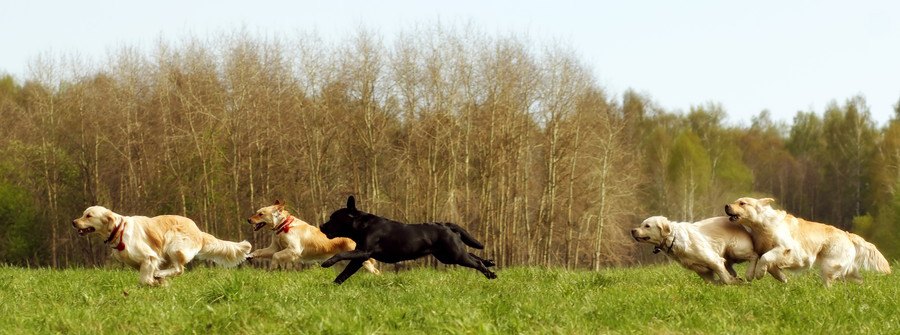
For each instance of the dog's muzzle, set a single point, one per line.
(85, 231)
(259, 225)
(634, 235)
(732, 216)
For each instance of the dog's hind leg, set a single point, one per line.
(177, 260)
(468, 261)
(348, 271)
(359, 255)
(176, 266)
(751, 269)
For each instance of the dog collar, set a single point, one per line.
(662, 245)
(120, 229)
(285, 226)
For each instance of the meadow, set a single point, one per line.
(652, 299)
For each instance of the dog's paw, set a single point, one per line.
(488, 263)
(490, 275)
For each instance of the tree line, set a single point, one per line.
(519, 144)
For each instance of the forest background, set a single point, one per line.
(517, 142)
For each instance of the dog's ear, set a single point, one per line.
(766, 201)
(664, 228)
(279, 205)
(351, 203)
(109, 220)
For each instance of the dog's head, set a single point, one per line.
(344, 222)
(268, 216)
(95, 218)
(750, 209)
(653, 230)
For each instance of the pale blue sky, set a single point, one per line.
(783, 56)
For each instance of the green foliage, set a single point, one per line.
(19, 233)
(689, 163)
(661, 299)
(732, 174)
(806, 135)
(884, 230)
(8, 87)
(688, 171)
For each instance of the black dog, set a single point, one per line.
(390, 241)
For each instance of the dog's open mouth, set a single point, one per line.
(259, 225)
(641, 238)
(84, 231)
(734, 218)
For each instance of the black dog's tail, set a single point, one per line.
(464, 235)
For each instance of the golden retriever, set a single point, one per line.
(159, 246)
(794, 243)
(709, 247)
(296, 241)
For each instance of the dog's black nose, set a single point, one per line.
(75, 223)
(250, 222)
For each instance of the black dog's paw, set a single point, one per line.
(490, 275)
(488, 263)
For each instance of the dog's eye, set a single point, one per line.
(646, 226)
(87, 216)
(742, 203)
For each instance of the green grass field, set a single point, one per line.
(659, 299)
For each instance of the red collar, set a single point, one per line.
(120, 229)
(285, 226)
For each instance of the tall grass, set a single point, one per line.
(661, 299)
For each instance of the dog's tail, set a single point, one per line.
(867, 255)
(225, 253)
(464, 235)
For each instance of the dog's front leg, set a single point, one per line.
(723, 273)
(264, 253)
(284, 257)
(148, 271)
(352, 255)
(771, 262)
(349, 270)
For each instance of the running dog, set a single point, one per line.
(793, 243)
(296, 241)
(709, 247)
(159, 246)
(391, 241)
